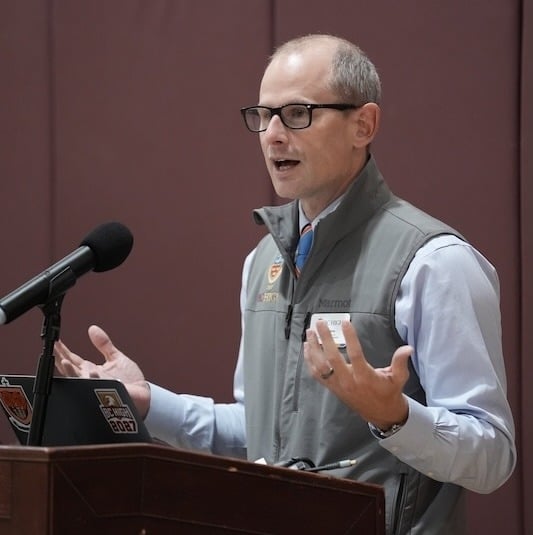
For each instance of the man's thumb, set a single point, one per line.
(400, 362)
(101, 340)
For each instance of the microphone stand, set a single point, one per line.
(45, 369)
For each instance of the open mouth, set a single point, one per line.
(283, 165)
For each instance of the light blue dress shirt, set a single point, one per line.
(448, 310)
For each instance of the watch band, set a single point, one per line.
(394, 428)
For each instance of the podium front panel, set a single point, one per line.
(151, 489)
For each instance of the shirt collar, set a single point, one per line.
(330, 208)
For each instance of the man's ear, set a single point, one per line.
(366, 124)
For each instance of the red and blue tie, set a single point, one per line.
(303, 248)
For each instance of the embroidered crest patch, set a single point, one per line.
(275, 269)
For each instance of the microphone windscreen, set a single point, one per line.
(110, 243)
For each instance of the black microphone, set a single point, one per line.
(105, 248)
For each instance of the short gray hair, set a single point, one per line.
(353, 76)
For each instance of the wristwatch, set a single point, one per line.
(394, 428)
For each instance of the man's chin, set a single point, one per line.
(285, 186)
(286, 193)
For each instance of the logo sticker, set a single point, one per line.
(16, 405)
(118, 415)
(274, 271)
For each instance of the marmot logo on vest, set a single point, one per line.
(345, 304)
(274, 271)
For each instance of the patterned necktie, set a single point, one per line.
(304, 245)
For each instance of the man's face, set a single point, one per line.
(315, 164)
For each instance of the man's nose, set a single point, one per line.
(276, 130)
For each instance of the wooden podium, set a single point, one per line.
(146, 489)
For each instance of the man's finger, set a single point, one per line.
(353, 345)
(102, 342)
(331, 356)
(311, 339)
(64, 353)
(325, 336)
(66, 368)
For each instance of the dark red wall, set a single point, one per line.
(525, 297)
(128, 110)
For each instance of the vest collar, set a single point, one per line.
(366, 195)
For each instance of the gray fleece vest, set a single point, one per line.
(359, 256)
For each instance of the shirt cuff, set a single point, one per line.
(414, 442)
(164, 406)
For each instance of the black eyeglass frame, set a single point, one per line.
(310, 107)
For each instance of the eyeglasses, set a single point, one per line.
(295, 116)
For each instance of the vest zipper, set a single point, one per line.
(277, 433)
(297, 378)
(288, 318)
(399, 505)
(307, 321)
